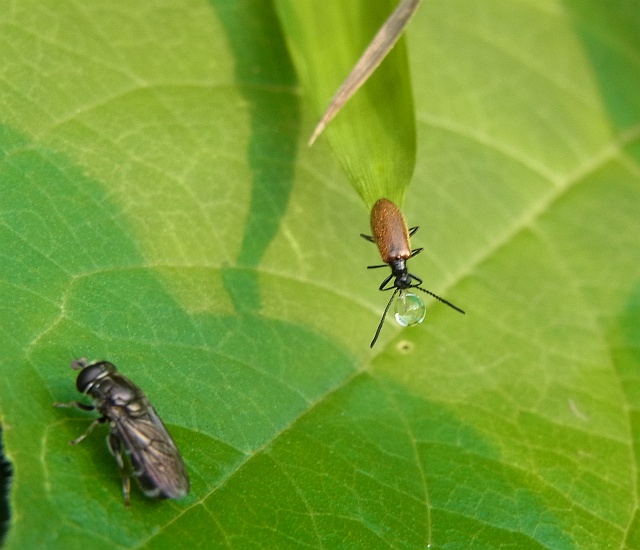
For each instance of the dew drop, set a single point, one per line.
(410, 309)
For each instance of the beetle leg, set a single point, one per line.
(368, 238)
(376, 266)
(412, 230)
(385, 282)
(116, 450)
(415, 252)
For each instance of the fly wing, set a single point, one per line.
(155, 458)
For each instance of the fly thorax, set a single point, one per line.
(137, 407)
(122, 396)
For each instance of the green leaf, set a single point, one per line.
(160, 209)
(374, 135)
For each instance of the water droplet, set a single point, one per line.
(410, 309)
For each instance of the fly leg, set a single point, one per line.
(82, 407)
(76, 405)
(115, 447)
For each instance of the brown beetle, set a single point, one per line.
(391, 236)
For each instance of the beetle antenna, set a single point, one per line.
(375, 338)
(438, 298)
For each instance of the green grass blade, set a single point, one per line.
(384, 40)
(373, 136)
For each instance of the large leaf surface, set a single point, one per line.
(159, 208)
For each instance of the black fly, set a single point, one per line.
(135, 430)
